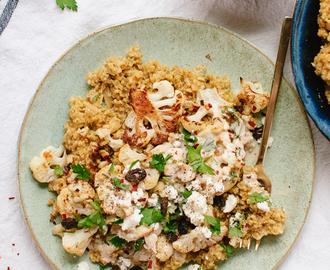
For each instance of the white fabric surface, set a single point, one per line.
(39, 32)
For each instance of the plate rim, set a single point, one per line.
(119, 24)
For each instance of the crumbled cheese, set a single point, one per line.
(153, 200)
(206, 231)
(83, 266)
(195, 208)
(176, 144)
(123, 263)
(132, 221)
(194, 267)
(170, 192)
(231, 203)
(263, 206)
(139, 197)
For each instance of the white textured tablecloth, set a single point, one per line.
(39, 32)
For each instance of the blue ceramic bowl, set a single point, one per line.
(305, 44)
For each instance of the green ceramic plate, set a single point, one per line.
(182, 42)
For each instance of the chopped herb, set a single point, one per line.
(235, 231)
(105, 175)
(116, 182)
(151, 215)
(58, 170)
(231, 110)
(257, 197)
(138, 244)
(197, 161)
(171, 226)
(132, 165)
(158, 162)
(101, 267)
(112, 169)
(118, 221)
(189, 138)
(214, 224)
(70, 4)
(186, 194)
(117, 241)
(233, 175)
(95, 218)
(95, 98)
(227, 249)
(82, 171)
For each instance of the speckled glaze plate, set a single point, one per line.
(182, 42)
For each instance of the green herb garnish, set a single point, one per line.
(197, 161)
(118, 221)
(227, 249)
(257, 197)
(117, 241)
(233, 175)
(214, 224)
(158, 162)
(58, 170)
(171, 226)
(151, 215)
(70, 4)
(95, 98)
(82, 171)
(138, 244)
(187, 194)
(189, 138)
(116, 182)
(132, 165)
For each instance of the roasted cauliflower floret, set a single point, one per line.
(77, 242)
(196, 240)
(43, 166)
(101, 252)
(212, 105)
(127, 156)
(164, 249)
(252, 96)
(76, 198)
(152, 109)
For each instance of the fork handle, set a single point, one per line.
(279, 65)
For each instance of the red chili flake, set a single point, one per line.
(208, 56)
(254, 108)
(76, 211)
(13, 244)
(150, 265)
(118, 189)
(65, 170)
(134, 188)
(195, 109)
(216, 172)
(17, 254)
(252, 124)
(176, 152)
(231, 131)
(63, 216)
(8, 268)
(196, 145)
(121, 181)
(207, 106)
(11, 198)
(195, 132)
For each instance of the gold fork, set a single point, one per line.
(279, 65)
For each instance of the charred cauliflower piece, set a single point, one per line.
(252, 96)
(212, 105)
(148, 108)
(43, 166)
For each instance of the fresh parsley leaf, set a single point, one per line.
(214, 224)
(151, 215)
(132, 165)
(117, 241)
(101, 267)
(186, 194)
(112, 169)
(116, 182)
(95, 218)
(170, 226)
(233, 175)
(95, 98)
(235, 231)
(158, 162)
(138, 244)
(257, 197)
(189, 138)
(197, 161)
(58, 170)
(82, 171)
(118, 221)
(70, 4)
(227, 249)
